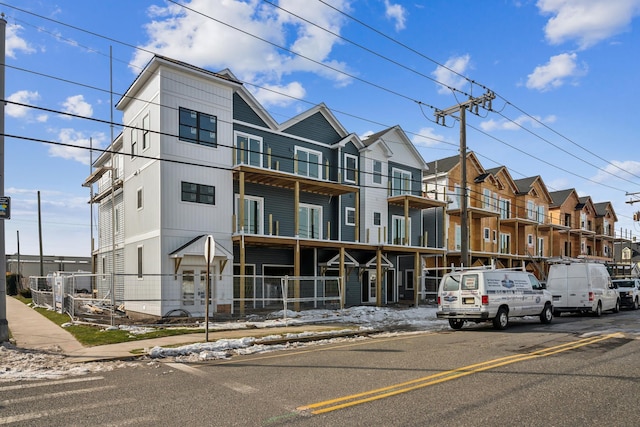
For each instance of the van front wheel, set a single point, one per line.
(501, 320)
(547, 315)
(456, 323)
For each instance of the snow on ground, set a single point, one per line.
(19, 364)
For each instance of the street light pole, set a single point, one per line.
(4, 325)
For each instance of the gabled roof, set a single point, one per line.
(502, 170)
(318, 109)
(559, 197)
(525, 185)
(445, 165)
(602, 208)
(380, 136)
(151, 68)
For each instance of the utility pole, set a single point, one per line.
(4, 325)
(473, 105)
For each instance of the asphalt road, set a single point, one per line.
(576, 371)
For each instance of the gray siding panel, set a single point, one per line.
(315, 127)
(244, 113)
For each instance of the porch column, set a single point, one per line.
(242, 248)
(407, 236)
(416, 278)
(343, 284)
(378, 277)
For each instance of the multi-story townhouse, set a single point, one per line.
(200, 156)
(577, 216)
(605, 230)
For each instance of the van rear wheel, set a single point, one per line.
(501, 320)
(547, 315)
(456, 323)
(598, 311)
(635, 304)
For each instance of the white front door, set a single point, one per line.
(193, 290)
(372, 288)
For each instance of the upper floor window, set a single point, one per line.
(248, 149)
(253, 219)
(199, 128)
(401, 183)
(505, 208)
(134, 142)
(310, 221)
(377, 172)
(308, 162)
(139, 198)
(541, 214)
(145, 133)
(531, 210)
(198, 193)
(350, 168)
(487, 200)
(583, 220)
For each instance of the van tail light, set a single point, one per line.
(438, 299)
(485, 299)
(591, 296)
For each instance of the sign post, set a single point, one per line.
(209, 254)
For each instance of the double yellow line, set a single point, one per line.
(392, 390)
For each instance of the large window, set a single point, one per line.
(541, 214)
(248, 150)
(198, 193)
(531, 210)
(309, 162)
(377, 172)
(505, 208)
(198, 128)
(401, 183)
(253, 219)
(350, 168)
(398, 234)
(310, 221)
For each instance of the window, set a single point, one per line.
(310, 221)
(248, 150)
(139, 198)
(457, 239)
(139, 262)
(253, 219)
(408, 280)
(350, 168)
(198, 193)
(104, 268)
(134, 141)
(308, 162)
(401, 183)
(398, 234)
(117, 220)
(487, 236)
(377, 218)
(145, 133)
(198, 128)
(494, 235)
(531, 210)
(377, 172)
(583, 220)
(486, 199)
(505, 208)
(350, 216)
(505, 243)
(188, 287)
(540, 246)
(530, 240)
(541, 214)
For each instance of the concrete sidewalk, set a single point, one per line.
(31, 330)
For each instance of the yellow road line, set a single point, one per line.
(381, 393)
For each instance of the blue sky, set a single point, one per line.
(564, 72)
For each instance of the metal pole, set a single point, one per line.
(464, 222)
(207, 296)
(4, 325)
(40, 236)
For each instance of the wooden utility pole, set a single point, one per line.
(473, 104)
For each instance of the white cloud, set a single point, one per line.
(587, 21)
(76, 145)
(516, 124)
(396, 13)
(280, 95)
(626, 170)
(15, 43)
(22, 97)
(179, 33)
(78, 106)
(555, 72)
(427, 137)
(447, 76)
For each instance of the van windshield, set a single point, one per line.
(624, 283)
(451, 283)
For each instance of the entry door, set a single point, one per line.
(194, 282)
(370, 294)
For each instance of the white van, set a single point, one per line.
(583, 287)
(492, 295)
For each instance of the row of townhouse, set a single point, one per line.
(516, 221)
(199, 156)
